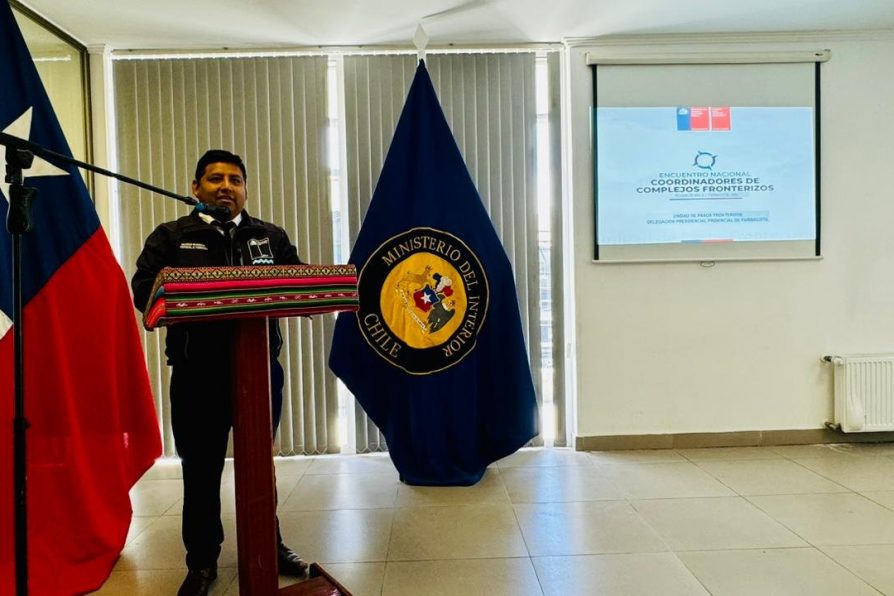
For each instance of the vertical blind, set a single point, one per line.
(489, 102)
(273, 112)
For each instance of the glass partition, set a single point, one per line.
(62, 64)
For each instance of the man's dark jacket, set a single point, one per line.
(190, 242)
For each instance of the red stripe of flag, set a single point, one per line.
(93, 430)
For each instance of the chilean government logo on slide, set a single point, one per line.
(423, 299)
(703, 118)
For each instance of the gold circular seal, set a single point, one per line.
(423, 300)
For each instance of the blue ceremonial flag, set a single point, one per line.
(435, 355)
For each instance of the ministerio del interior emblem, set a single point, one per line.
(423, 299)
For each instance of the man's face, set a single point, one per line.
(222, 184)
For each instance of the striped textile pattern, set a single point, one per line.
(199, 293)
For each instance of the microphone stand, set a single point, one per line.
(19, 156)
(18, 222)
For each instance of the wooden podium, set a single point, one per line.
(255, 483)
(244, 294)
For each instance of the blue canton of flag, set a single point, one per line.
(431, 296)
(683, 119)
(435, 355)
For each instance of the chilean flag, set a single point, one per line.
(93, 429)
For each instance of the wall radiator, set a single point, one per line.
(864, 392)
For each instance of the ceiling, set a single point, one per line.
(215, 24)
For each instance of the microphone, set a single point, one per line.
(221, 213)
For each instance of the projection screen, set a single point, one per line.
(707, 161)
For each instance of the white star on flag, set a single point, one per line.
(5, 324)
(21, 128)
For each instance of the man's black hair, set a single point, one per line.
(218, 156)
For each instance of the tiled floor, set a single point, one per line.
(815, 520)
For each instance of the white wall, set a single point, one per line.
(678, 347)
(104, 188)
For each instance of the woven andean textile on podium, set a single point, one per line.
(197, 293)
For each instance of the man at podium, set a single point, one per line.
(200, 353)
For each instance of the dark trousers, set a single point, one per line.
(201, 417)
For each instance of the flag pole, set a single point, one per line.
(19, 156)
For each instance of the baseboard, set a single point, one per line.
(748, 438)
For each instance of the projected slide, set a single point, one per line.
(704, 174)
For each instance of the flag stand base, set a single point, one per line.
(320, 583)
